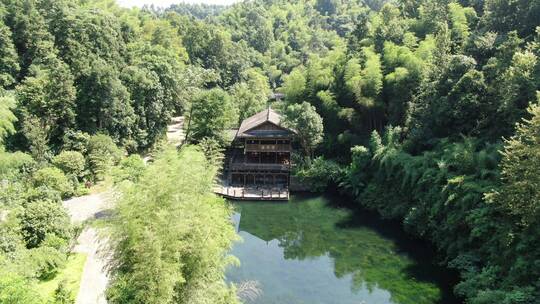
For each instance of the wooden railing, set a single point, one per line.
(268, 148)
(255, 166)
(253, 193)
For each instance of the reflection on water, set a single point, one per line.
(309, 251)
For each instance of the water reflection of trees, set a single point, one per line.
(312, 229)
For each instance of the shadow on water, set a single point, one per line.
(423, 253)
(324, 249)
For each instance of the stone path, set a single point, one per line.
(175, 131)
(3, 215)
(94, 277)
(175, 134)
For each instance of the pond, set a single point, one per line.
(312, 251)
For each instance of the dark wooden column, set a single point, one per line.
(288, 181)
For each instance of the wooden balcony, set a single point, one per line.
(258, 167)
(268, 148)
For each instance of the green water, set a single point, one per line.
(311, 251)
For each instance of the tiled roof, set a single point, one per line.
(258, 119)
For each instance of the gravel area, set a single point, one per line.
(88, 207)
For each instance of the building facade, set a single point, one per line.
(261, 152)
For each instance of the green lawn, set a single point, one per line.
(72, 273)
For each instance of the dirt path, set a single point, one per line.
(94, 277)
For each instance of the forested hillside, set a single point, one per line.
(429, 110)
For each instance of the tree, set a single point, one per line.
(517, 87)
(327, 7)
(87, 36)
(102, 154)
(520, 192)
(364, 81)
(319, 174)
(405, 69)
(76, 141)
(459, 17)
(212, 48)
(390, 26)
(9, 60)
(148, 105)
(48, 94)
(307, 123)
(104, 104)
(156, 88)
(36, 137)
(130, 168)
(212, 113)
(163, 253)
(262, 38)
(461, 93)
(294, 86)
(7, 118)
(33, 42)
(252, 94)
(12, 239)
(505, 15)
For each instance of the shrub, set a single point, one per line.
(11, 239)
(56, 242)
(12, 193)
(62, 295)
(43, 193)
(47, 261)
(319, 173)
(14, 163)
(130, 168)
(41, 218)
(102, 155)
(16, 289)
(71, 162)
(53, 178)
(81, 190)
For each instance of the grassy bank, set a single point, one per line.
(71, 274)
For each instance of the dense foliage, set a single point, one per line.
(211, 114)
(172, 234)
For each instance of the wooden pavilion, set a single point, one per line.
(259, 161)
